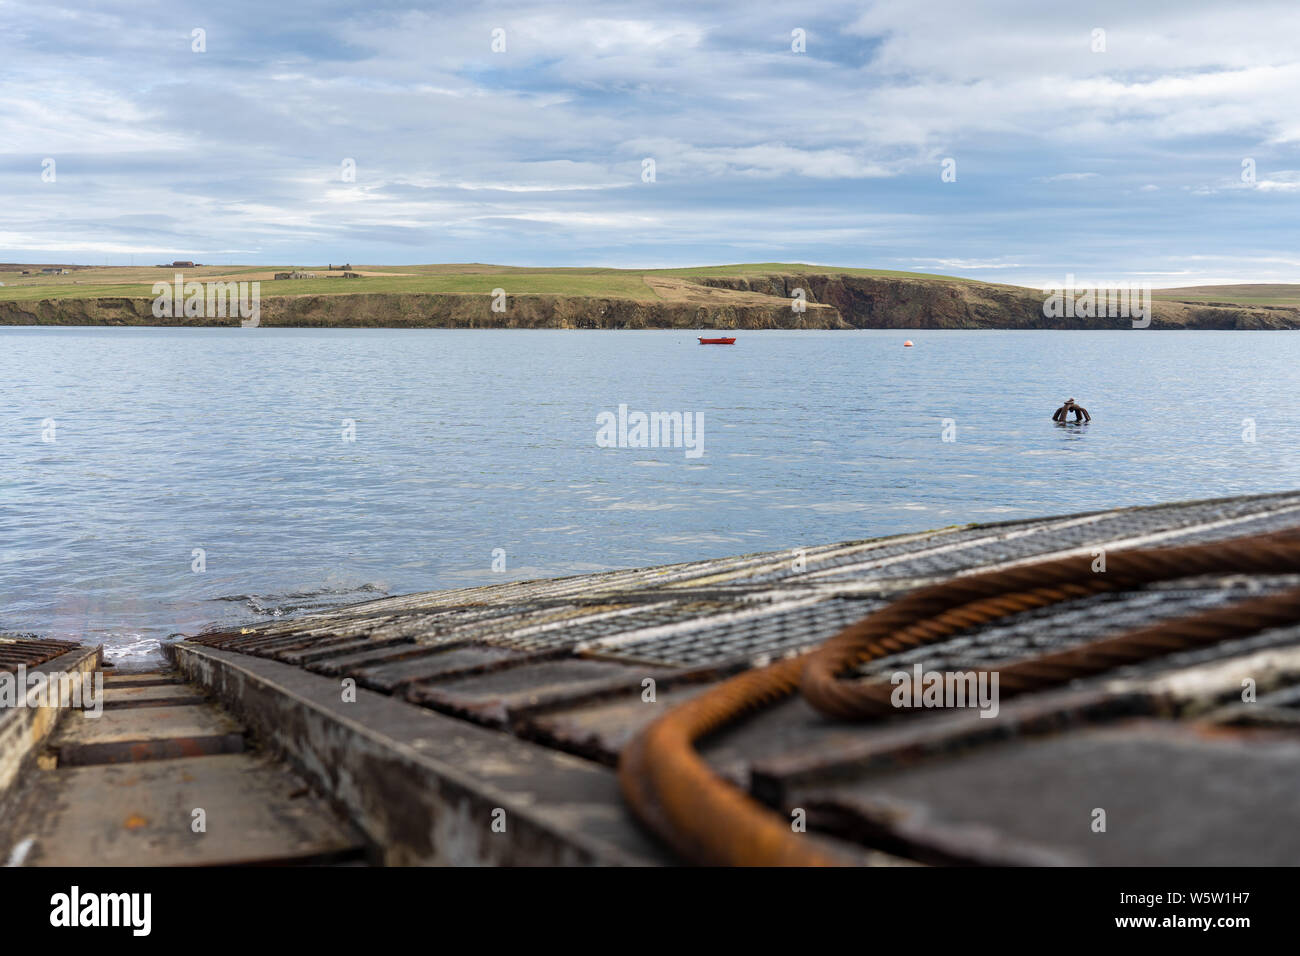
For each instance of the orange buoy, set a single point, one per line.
(907, 344)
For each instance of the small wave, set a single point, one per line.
(302, 602)
(130, 648)
(304, 595)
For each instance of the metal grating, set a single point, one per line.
(1072, 623)
(749, 638)
(1036, 538)
(18, 652)
(611, 622)
(751, 608)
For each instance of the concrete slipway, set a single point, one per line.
(482, 725)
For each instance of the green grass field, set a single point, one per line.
(1244, 294)
(481, 279)
(472, 278)
(88, 284)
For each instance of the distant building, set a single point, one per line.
(54, 272)
(182, 265)
(295, 275)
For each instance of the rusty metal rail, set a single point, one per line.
(707, 820)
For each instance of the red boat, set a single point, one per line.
(730, 341)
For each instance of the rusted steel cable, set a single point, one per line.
(1046, 670)
(708, 820)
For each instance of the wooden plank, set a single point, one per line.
(436, 663)
(498, 696)
(1173, 795)
(602, 729)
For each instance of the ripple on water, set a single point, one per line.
(461, 450)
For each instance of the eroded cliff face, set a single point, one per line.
(834, 301)
(420, 310)
(871, 302)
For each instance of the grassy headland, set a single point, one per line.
(745, 295)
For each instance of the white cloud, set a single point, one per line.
(535, 154)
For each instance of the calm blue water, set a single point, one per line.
(232, 441)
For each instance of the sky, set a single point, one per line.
(1120, 140)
